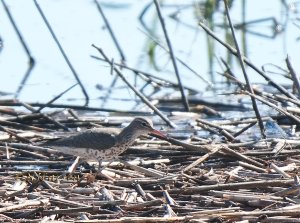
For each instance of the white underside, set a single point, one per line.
(91, 154)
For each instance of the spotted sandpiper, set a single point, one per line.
(104, 143)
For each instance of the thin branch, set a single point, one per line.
(55, 98)
(122, 55)
(77, 107)
(177, 58)
(281, 110)
(63, 53)
(247, 61)
(149, 76)
(294, 75)
(31, 61)
(140, 95)
(240, 56)
(184, 99)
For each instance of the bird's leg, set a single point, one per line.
(99, 167)
(102, 173)
(100, 164)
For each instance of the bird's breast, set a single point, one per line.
(94, 154)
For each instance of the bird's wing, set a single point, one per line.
(92, 138)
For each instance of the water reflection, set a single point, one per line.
(34, 69)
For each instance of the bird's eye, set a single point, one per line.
(144, 124)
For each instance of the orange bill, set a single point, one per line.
(158, 133)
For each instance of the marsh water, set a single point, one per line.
(267, 32)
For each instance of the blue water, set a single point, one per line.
(78, 24)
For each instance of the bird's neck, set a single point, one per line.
(126, 136)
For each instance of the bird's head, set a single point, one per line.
(144, 126)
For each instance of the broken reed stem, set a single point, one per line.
(233, 186)
(244, 129)
(45, 116)
(77, 107)
(18, 125)
(281, 110)
(260, 96)
(233, 51)
(239, 55)
(149, 76)
(201, 159)
(140, 95)
(226, 132)
(141, 220)
(31, 61)
(295, 76)
(172, 55)
(29, 203)
(34, 162)
(210, 84)
(54, 99)
(63, 53)
(11, 133)
(111, 32)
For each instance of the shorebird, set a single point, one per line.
(103, 143)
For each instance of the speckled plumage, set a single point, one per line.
(103, 143)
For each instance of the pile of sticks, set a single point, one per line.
(193, 179)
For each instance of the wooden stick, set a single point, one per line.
(28, 203)
(201, 159)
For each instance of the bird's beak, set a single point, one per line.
(158, 133)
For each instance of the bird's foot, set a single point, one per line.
(102, 172)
